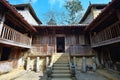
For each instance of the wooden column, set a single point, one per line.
(118, 14)
(96, 59)
(101, 57)
(2, 18)
(54, 42)
(91, 40)
(0, 52)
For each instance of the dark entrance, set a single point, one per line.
(5, 53)
(60, 44)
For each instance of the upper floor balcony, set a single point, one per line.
(107, 36)
(12, 37)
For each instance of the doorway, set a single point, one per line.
(60, 41)
(5, 53)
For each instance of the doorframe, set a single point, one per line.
(58, 35)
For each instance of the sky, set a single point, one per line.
(43, 6)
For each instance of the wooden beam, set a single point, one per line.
(107, 42)
(8, 42)
(16, 22)
(103, 19)
(2, 17)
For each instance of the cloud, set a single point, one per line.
(61, 3)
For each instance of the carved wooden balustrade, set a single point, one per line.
(107, 36)
(13, 37)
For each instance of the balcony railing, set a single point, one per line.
(107, 36)
(13, 37)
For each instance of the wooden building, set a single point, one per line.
(23, 37)
(15, 38)
(105, 36)
(61, 39)
(28, 13)
(91, 13)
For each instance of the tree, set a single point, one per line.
(49, 18)
(74, 9)
(54, 18)
(51, 22)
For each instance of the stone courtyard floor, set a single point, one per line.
(31, 75)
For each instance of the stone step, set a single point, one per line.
(60, 65)
(62, 59)
(61, 71)
(61, 79)
(61, 68)
(61, 62)
(54, 75)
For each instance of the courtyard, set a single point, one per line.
(31, 75)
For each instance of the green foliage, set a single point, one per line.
(74, 8)
(52, 22)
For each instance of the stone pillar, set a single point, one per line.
(84, 66)
(74, 61)
(28, 64)
(47, 61)
(38, 64)
(94, 63)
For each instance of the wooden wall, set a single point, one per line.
(74, 44)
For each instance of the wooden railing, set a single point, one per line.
(14, 36)
(109, 35)
(78, 49)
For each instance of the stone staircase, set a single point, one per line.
(61, 69)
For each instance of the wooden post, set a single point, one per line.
(0, 52)
(2, 18)
(91, 40)
(118, 14)
(97, 60)
(101, 57)
(54, 33)
(30, 41)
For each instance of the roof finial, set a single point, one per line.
(89, 2)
